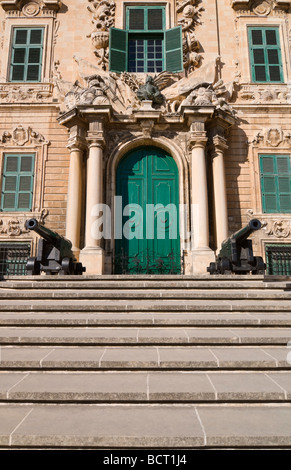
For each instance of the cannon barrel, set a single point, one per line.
(245, 232)
(50, 236)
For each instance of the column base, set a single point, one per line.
(201, 259)
(93, 260)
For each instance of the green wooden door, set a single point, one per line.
(147, 181)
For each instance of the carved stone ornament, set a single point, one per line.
(13, 93)
(189, 12)
(265, 94)
(271, 137)
(30, 8)
(259, 7)
(147, 126)
(93, 94)
(277, 228)
(16, 226)
(21, 136)
(103, 17)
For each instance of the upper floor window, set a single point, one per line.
(26, 55)
(265, 55)
(145, 45)
(17, 182)
(276, 183)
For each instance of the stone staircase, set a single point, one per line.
(145, 362)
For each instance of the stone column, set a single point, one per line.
(202, 255)
(75, 189)
(219, 189)
(92, 256)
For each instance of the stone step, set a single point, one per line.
(71, 283)
(154, 335)
(149, 294)
(145, 319)
(165, 426)
(161, 305)
(145, 387)
(145, 357)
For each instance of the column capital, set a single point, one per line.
(219, 144)
(95, 141)
(76, 143)
(198, 139)
(95, 134)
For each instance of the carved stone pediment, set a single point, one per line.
(9, 5)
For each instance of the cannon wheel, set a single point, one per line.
(33, 265)
(67, 266)
(224, 266)
(260, 265)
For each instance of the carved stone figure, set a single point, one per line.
(150, 92)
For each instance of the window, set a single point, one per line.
(26, 55)
(145, 45)
(275, 183)
(13, 258)
(265, 55)
(278, 259)
(17, 182)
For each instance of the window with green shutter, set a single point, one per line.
(17, 182)
(145, 45)
(265, 55)
(276, 183)
(26, 55)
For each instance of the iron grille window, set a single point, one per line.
(278, 259)
(13, 258)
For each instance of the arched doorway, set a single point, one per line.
(147, 227)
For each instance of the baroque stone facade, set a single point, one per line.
(80, 119)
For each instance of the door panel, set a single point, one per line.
(147, 179)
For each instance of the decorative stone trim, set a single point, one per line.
(18, 5)
(26, 93)
(271, 137)
(273, 225)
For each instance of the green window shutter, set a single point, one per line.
(17, 182)
(173, 50)
(118, 44)
(26, 55)
(136, 20)
(265, 55)
(276, 183)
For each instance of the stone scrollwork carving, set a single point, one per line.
(13, 93)
(103, 13)
(188, 16)
(206, 94)
(21, 136)
(95, 93)
(271, 137)
(277, 228)
(14, 227)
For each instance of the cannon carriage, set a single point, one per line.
(54, 253)
(236, 253)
